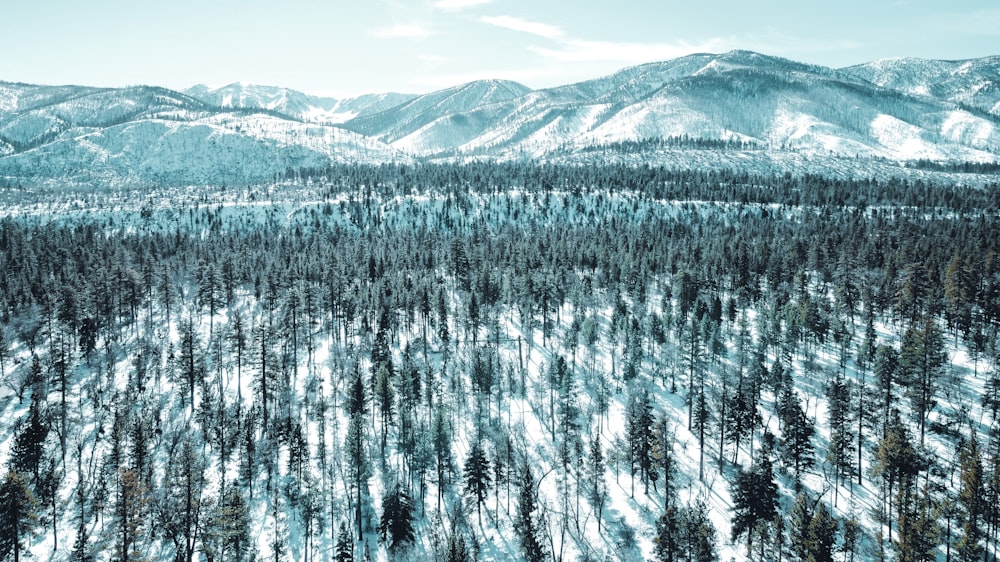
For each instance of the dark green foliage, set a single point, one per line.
(597, 491)
(822, 535)
(4, 345)
(664, 460)
(385, 396)
(298, 450)
(17, 515)
(483, 376)
(666, 549)
(685, 534)
(443, 459)
(375, 266)
(696, 534)
(919, 532)
(477, 475)
(358, 463)
(899, 465)
(798, 429)
(850, 534)
(970, 498)
(191, 361)
(991, 394)
(567, 418)
(840, 451)
(887, 376)
(396, 524)
(180, 512)
(344, 549)
(444, 334)
(813, 530)
(228, 533)
(755, 499)
(921, 359)
(741, 415)
(457, 551)
(525, 520)
(28, 448)
(639, 426)
(799, 520)
(357, 397)
(131, 518)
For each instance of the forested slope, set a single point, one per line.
(502, 362)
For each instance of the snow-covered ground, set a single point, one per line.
(319, 384)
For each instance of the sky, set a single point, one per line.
(343, 48)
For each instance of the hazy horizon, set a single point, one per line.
(340, 49)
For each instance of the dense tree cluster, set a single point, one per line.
(189, 380)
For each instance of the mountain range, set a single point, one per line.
(766, 109)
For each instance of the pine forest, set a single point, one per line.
(502, 361)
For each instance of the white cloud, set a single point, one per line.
(569, 49)
(432, 58)
(406, 31)
(453, 5)
(524, 26)
(593, 51)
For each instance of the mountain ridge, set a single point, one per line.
(296, 104)
(893, 109)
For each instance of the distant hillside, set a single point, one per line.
(765, 109)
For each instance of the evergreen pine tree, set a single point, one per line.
(896, 463)
(17, 515)
(970, 497)
(358, 463)
(441, 436)
(477, 476)
(797, 448)
(799, 521)
(639, 424)
(525, 523)
(231, 526)
(886, 370)
(598, 490)
(755, 500)
(822, 535)
(457, 551)
(385, 397)
(131, 515)
(849, 542)
(696, 533)
(841, 446)
(918, 527)
(663, 457)
(666, 548)
(28, 448)
(921, 359)
(344, 549)
(191, 360)
(357, 399)
(396, 523)
(180, 510)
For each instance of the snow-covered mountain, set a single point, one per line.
(975, 83)
(219, 149)
(443, 118)
(740, 95)
(898, 110)
(32, 116)
(316, 109)
(149, 135)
